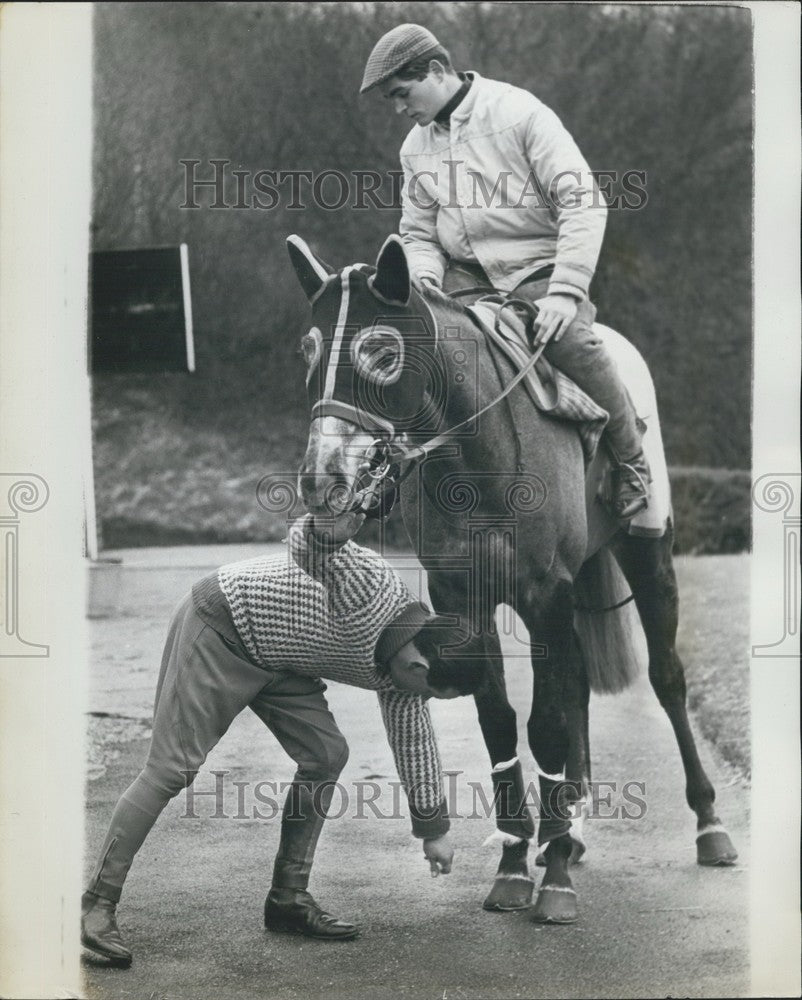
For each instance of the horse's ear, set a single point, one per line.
(311, 270)
(391, 280)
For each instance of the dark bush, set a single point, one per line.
(712, 512)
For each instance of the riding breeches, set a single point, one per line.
(203, 685)
(581, 355)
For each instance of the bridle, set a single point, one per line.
(380, 472)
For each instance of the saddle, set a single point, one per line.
(558, 396)
(550, 390)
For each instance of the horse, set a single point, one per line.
(493, 498)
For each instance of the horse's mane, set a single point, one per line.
(443, 306)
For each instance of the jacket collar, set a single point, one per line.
(464, 109)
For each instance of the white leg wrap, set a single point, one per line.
(557, 776)
(578, 821)
(504, 839)
(710, 828)
(504, 765)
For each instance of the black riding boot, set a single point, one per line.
(99, 932)
(289, 908)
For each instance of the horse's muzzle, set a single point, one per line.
(328, 494)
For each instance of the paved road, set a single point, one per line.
(652, 923)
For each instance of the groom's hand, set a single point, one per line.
(336, 530)
(439, 854)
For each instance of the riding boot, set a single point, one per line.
(289, 908)
(304, 813)
(294, 911)
(100, 935)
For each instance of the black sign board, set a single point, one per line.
(141, 311)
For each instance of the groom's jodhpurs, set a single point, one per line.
(203, 685)
(580, 354)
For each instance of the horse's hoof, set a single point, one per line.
(556, 904)
(714, 847)
(510, 892)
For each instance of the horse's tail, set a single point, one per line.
(607, 638)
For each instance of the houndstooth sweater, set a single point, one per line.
(320, 611)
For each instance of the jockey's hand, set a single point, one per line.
(439, 854)
(427, 281)
(555, 314)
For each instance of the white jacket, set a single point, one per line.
(505, 186)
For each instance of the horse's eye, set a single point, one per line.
(311, 346)
(377, 354)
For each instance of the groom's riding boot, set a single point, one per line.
(293, 911)
(99, 932)
(289, 907)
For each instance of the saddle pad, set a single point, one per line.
(559, 396)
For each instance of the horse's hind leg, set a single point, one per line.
(649, 569)
(513, 886)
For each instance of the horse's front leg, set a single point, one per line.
(513, 886)
(557, 730)
(577, 732)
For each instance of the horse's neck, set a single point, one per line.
(471, 383)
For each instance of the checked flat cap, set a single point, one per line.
(394, 50)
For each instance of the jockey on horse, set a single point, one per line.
(541, 237)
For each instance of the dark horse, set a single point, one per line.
(496, 508)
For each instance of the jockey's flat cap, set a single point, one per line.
(402, 628)
(394, 50)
